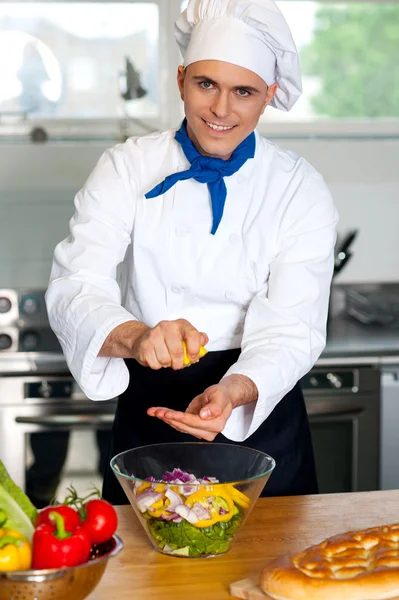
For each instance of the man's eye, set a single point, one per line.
(206, 85)
(243, 93)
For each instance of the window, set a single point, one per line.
(349, 59)
(75, 60)
(103, 67)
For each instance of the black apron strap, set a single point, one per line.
(285, 434)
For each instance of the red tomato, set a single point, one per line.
(101, 521)
(69, 514)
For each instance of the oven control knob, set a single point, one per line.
(5, 305)
(45, 389)
(30, 306)
(5, 341)
(313, 381)
(335, 380)
(30, 341)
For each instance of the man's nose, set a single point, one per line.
(221, 105)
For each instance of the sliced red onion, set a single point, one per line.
(223, 511)
(184, 511)
(174, 500)
(177, 476)
(137, 485)
(171, 517)
(177, 519)
(167, 477)
(209, 480)
(187, 490)
(181, 475)
(202, 513)
(146, 500)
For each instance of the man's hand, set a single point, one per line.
(157, 347)
(207, 414)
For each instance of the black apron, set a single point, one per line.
(285, 434)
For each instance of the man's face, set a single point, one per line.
(220, 94)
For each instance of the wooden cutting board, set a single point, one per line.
(248, 589)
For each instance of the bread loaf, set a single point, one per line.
(358, 565)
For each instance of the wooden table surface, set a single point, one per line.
(276, 526)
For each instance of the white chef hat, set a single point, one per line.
(249, 33)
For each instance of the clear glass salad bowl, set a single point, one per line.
(192, 497)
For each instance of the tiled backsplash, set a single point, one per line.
(30, 227)
(38, 184)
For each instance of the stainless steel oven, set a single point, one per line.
(43, 413)
(41, 404)
(343, 405)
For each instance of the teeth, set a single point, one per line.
(217, 127)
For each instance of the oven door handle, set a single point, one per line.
(82, 420)
(320, 411)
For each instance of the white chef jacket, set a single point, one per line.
(260, 283)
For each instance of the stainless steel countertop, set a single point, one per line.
(349, 342)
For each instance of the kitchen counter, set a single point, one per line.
(350, 342)
(276, 526)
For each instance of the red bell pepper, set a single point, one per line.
(54, 547)
(70, 515)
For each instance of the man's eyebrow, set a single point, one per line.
(250, 88)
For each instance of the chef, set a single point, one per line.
(221, 239)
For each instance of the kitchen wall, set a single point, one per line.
(38, 183)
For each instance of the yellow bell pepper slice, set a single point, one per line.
(145, 485)
(186, 360)
(238, 497)
(218, 491)
(15, 551)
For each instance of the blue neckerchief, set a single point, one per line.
(206, 169)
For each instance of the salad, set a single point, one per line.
(188, 519)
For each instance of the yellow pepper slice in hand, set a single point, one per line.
(186, 360)
(15, 551)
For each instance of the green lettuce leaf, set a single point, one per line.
(208, 540)
(16, 506)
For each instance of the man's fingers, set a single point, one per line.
(162, 353)
(195, 405)
(157, 411)
(211, 411)
(160, 413)
(193, 342)
(204, 339)
(151, 359)
(185, 419)
(175, 348)
(201, 434)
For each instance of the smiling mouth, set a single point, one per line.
(221, 128)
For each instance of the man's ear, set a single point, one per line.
(271, 92)
(181, 74)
